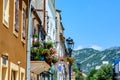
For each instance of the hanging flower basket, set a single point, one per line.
(69, 59)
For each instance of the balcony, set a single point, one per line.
(43, 51)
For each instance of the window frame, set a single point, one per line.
(22, 71)
(23, 24)
(16, 28)
(3, 66)
(6, 17)
(14, 67)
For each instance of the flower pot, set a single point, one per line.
(42, 58)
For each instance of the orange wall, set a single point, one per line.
(9, 43)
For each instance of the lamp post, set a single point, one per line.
(78, 65)
(70, 45)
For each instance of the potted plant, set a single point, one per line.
(54, 60)
(48, 44)
(36, 44)
(48, 59)
(41, 48)
(46, 52)
(34, 50)
(36, 57)
(42, 58)
(34, 53)
(35, 37)
(52, 51)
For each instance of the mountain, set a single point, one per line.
(90, 58)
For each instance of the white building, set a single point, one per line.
(50, 20)
(61, 49)
(45, 11)
(105, 62)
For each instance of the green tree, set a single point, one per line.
(74, 67)
(104, 73)
(91, 74)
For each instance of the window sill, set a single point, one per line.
(5, 23)
(23, 40)
(15, 33)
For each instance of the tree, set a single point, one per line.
(91, 74)
(74, 67)
(104, 73)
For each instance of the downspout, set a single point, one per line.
(44, 14)
(28, 42)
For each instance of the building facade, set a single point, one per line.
(43, 24)
(38, 36)
(61, 48)
(13, 36)
(51, 20)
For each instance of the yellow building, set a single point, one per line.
(13, 29)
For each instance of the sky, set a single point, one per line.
(91, 23)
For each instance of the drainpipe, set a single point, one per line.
(44, 14)
(28, 42)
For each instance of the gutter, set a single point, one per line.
(44, 14)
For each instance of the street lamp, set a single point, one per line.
(79, 65)
(70, 45)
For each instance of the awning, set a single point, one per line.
(38, 66)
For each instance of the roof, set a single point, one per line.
(38, 66)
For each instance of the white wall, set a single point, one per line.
(51, 21)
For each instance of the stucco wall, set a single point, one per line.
(9, 43)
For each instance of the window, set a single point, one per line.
(22, 73)
(35, 26)
(24, 23)
(6, 12)
(14, 71)
(40, 33)
(33, 29)
(4, 60)
(16, 11)
(4, 67)
(22, 76)
(23, 28)
(14, 75)
(4, 73)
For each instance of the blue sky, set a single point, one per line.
(91, 23)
